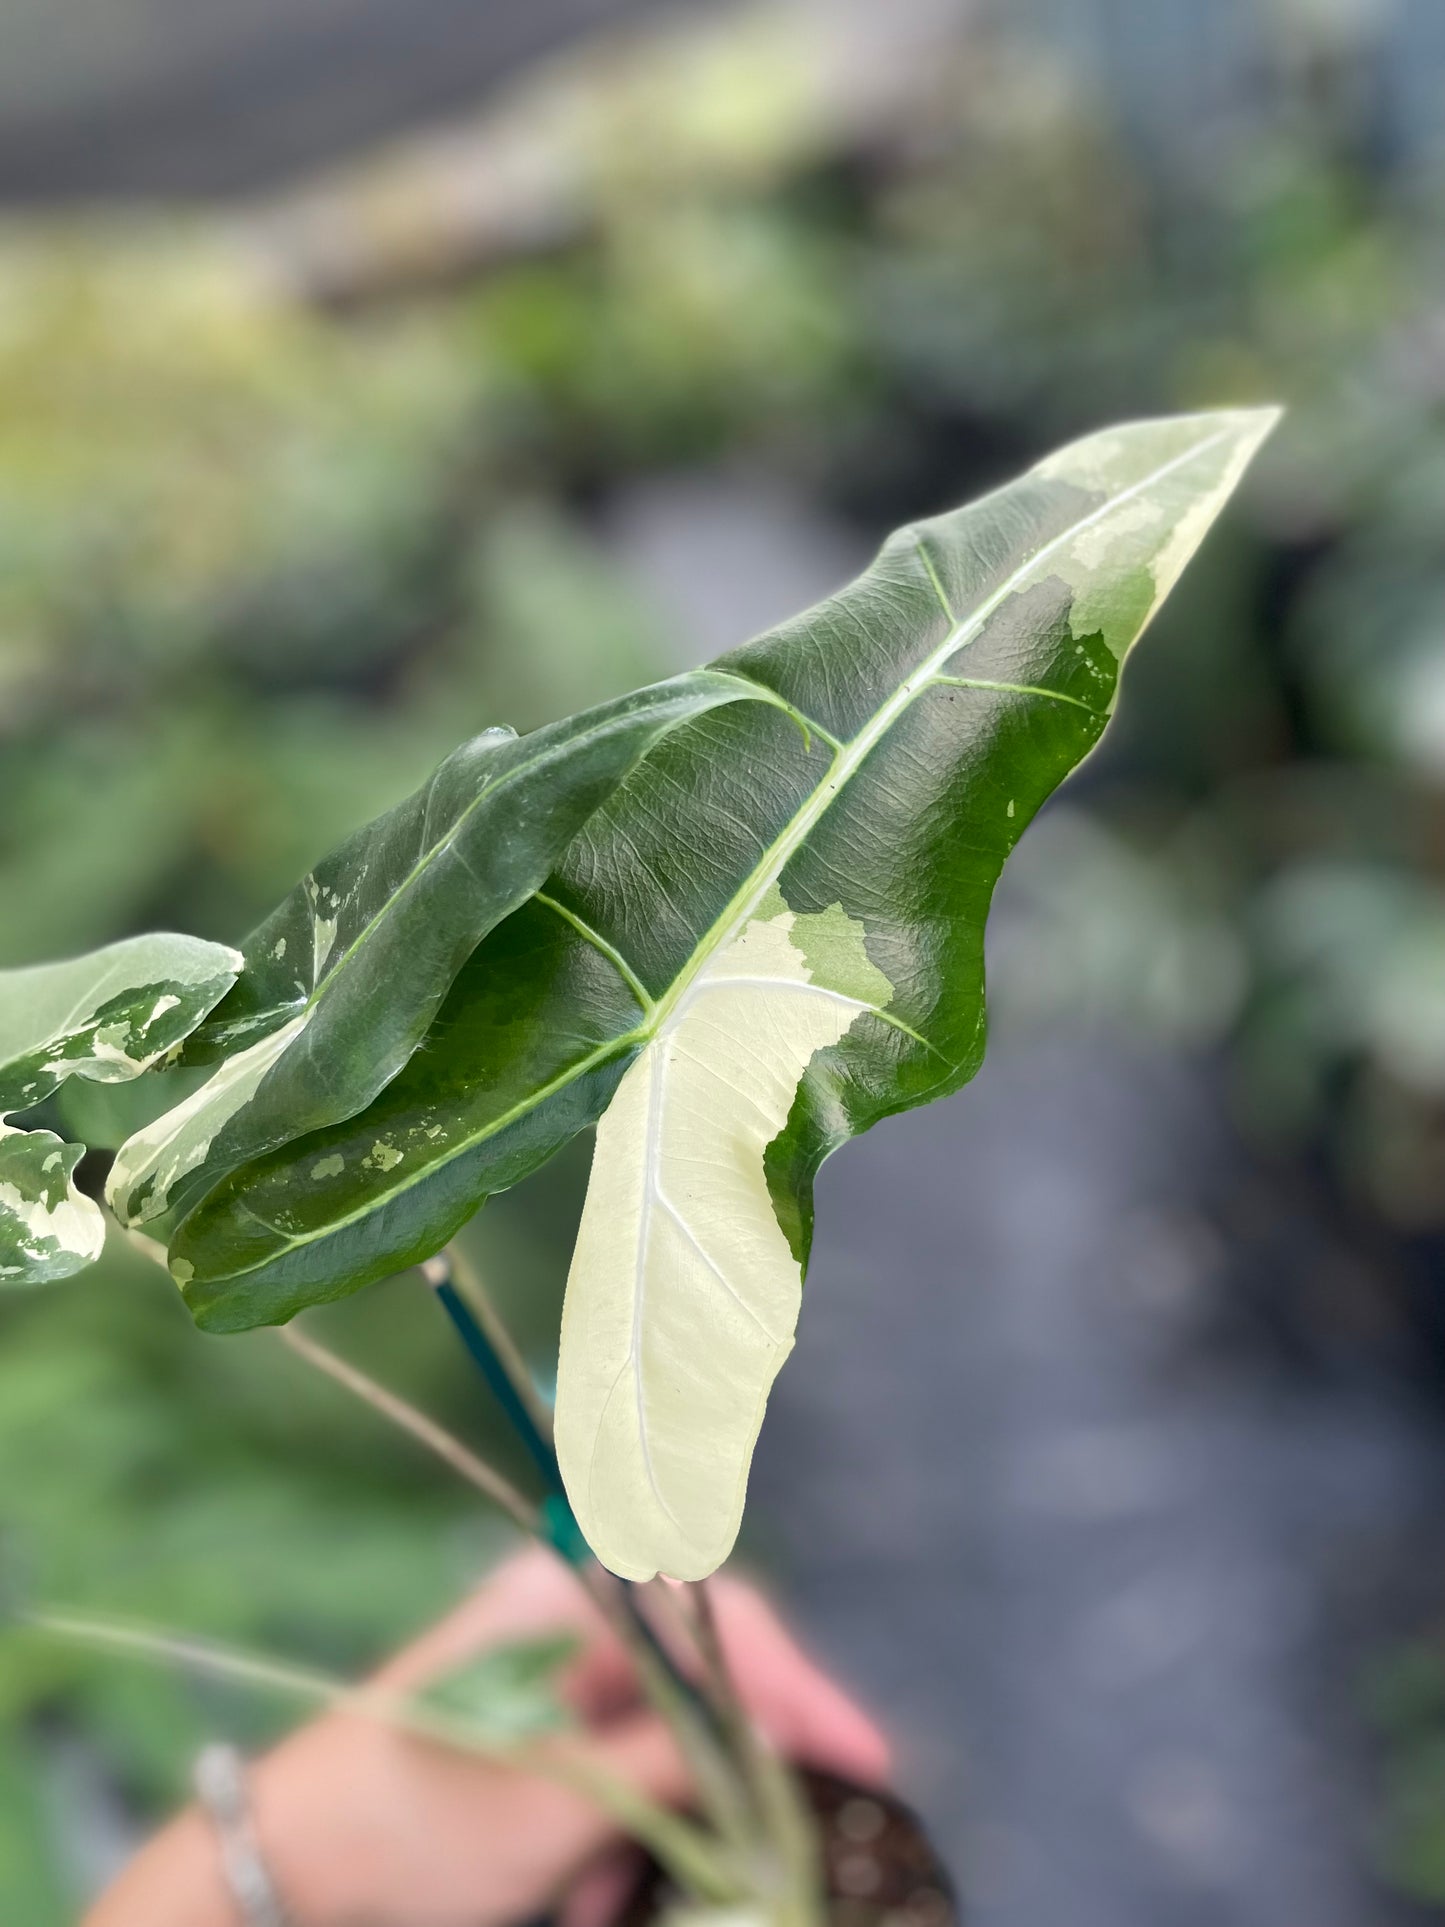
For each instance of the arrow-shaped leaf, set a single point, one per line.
(106, 1017)
(343, 979)
(765, 942)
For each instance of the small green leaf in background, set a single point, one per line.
(105, 1017)
(509, 1693)
(1406, 1692)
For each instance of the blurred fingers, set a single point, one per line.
(803, 1712)
(601, 1889)
(529, 1596)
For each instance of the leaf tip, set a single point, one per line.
(1252, 426)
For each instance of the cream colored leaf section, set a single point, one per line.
(107, 1016)
(48, 1228)
(683, 1295)
(1149, 525)
(149, 1165)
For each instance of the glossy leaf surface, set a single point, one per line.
(106, 1017)
(770, 938)
(342, 980)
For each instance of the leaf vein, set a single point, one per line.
(603, 948)
(1020, 689)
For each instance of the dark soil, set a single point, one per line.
(882, 1870)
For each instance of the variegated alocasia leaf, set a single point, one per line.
(106, 1017)
(770, 938)
(342, 980)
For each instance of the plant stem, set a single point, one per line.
(425, 1430)
(731, 1712)
(774, 1786)
(721, 1789)
(724, 1773)
(492, 1349)
(469, 1279)
(679, 1846)
(671, 1694)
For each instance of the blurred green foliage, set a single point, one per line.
(261, 566)
(1407, 1695)
(257, 580)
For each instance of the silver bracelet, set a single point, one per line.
(220, 1783)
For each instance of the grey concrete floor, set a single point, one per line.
(1114, 1588)
(1114, 1582)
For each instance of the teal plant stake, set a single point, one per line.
(483, 1354)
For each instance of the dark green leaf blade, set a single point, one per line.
(523, 1055)
(343, 979)
(509, 1693)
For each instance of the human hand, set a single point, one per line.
(363, 1823)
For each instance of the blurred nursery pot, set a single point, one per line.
(878, 1866)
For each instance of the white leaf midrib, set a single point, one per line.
(632, 1363)
(655, 1198)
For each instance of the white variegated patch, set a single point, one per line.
(1153, 522)
(106, 1017)
(150, 1164)
(48, 1229)
(684, 1295)
(51, 1014)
